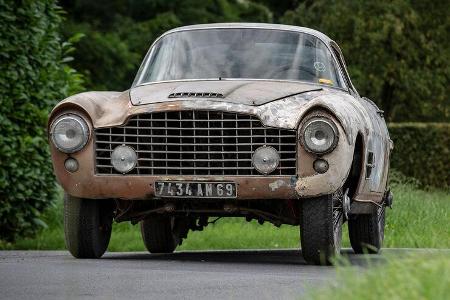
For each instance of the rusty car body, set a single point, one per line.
(226, 136)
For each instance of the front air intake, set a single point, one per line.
(195, 95)
(195, 143)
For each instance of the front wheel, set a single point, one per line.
(321, 228)
(87, 226)
(366, 232)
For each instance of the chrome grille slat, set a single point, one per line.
(209, 145)
(192, 168)
(188, 128)
(195, 143)
(163, 120)
(150, 151)
(225, 160)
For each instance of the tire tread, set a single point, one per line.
(157, 235)
(364, 233)
(316, 229)
(81, 228)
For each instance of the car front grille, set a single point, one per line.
(195, 143)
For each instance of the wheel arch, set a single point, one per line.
(354, 178)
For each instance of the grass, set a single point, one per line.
(419, 219)
(413, 277)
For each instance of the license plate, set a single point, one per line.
(195, 189)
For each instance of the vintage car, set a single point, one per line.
(259, 121)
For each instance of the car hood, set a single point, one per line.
(247, 92)
(283, 109)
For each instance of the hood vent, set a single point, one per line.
(195, 95)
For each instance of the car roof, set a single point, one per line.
(306, 30)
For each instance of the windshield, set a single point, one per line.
(240, 53)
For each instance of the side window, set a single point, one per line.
(342, 67)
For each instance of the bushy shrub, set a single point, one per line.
(33, 76)
(422, 151)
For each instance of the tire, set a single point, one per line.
(366, 232)
(159, 234)
(321, 228)
(87, 226)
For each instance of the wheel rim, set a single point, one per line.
(338, 214)
(380, 222)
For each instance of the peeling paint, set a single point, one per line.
(277, 184)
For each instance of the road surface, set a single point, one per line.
(252, 274)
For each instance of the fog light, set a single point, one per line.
(320, 165)
(71, 165)
(265, 159)
(123, 159)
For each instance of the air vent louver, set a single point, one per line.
(195, 95)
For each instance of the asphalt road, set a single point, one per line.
(253, 274)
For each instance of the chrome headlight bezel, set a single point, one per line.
(327, 124)
(82, 125)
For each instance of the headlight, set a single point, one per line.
(265, 159)
(320, 135)
(69, 133)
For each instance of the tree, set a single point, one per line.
(118, 33)
(395, 52)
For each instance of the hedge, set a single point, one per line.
(33, 77)
(422, 151)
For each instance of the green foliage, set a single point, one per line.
(105, 58)
(419, 276)
(33, 76)
(279, 7)
(418, 218)
(422, 151)
(396, 51)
